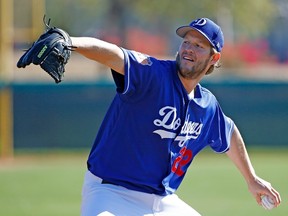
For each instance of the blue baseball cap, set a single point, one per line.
(208, 29)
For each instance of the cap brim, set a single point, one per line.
(182, 31)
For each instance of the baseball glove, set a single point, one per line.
(51, 51)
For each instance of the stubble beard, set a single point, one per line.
(192, 72)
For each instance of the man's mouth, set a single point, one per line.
(188, 58)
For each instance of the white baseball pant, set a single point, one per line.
(100, 199)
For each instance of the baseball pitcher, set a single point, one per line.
(158, 121)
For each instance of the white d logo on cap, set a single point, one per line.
(200, 22)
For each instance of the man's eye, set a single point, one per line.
(199, 46)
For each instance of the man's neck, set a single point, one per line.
(189, 84)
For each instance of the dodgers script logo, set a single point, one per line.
(169, 122)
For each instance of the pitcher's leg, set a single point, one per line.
(172, 205)
(110, 200)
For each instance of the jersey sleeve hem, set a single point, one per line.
(229, 132)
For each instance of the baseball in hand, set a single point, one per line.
(267, 202)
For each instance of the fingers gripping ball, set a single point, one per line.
(267, 202)
(51, 51)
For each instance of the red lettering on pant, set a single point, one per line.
(183, 159)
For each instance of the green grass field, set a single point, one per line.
(50, 184)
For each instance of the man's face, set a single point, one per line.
(194, 55)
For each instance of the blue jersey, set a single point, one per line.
(152, 130)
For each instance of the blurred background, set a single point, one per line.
(39, 116)
(251, 84)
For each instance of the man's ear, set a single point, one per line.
(215, 57)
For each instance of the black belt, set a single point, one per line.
(107, 182)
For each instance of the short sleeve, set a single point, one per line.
(143, 74)
(221, 131)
